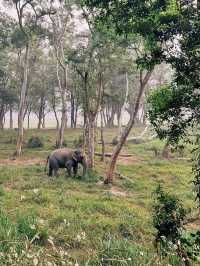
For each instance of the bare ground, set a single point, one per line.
(21, 162)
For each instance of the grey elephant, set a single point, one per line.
(66, 158)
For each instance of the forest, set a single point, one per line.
(99, 132)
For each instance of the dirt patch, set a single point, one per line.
(22, 162)
(118, 192)
(129, 160)
(114, 190)
(194, 225)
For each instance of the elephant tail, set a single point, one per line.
(45, 169)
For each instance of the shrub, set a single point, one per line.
(35, 142)
(168, 218)
(115, 141)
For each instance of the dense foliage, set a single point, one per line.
(171, 31)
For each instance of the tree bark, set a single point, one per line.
(125, 133)
(63, 89)
(102, 138)
(22, 103)
(11, 117)
(56, 117)
(41, 112)
(123, 108)
(43, 121)
(76, 116)
(72, 110)
(2, 115)
(28, 119)
(91, 127)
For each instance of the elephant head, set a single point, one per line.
(80, 157)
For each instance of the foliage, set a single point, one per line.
(196, 170)
(35, 142)
(168, 217)
(191, 243)
(170, 30)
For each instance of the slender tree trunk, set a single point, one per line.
(22, 104)
(56, 117)
(43, 121)
(2, 114)
(28, 119)
(91, 127)
(11, 117)
(125, 133)
(104, 118)
(72, 111)
(123, 108)
(63, 89)
(102, 138)
(76, 116)
(41, 112)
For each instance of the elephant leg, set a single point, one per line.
(69, 171)
(50, 171)
(53, 167)
(68, 166)
(56, 172)
(75, 169)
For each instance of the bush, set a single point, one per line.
(115, 141)
(35, 142)
(168, 218)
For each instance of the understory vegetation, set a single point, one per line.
(81, 221)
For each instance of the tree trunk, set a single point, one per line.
(11, 117)
(91, 127)
(125, 133)
(102, 138)
(72, 111)
(43, 121)
(123, 108)
(2, 114)
(22, 103)
(76, 116)
(63, 89)
(41, 112)
(56, 117)
(28, 118)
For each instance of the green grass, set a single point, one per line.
(80, 220)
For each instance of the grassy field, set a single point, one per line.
(73, 221)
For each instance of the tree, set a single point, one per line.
(168, 36)
(29, 13)
(61, 25)
(170, 30)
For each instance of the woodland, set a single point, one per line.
(118, 81)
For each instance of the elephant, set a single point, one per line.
(66, 158)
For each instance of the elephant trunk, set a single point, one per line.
(84, 164)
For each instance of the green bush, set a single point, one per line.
(168, 217)
(35, 142)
